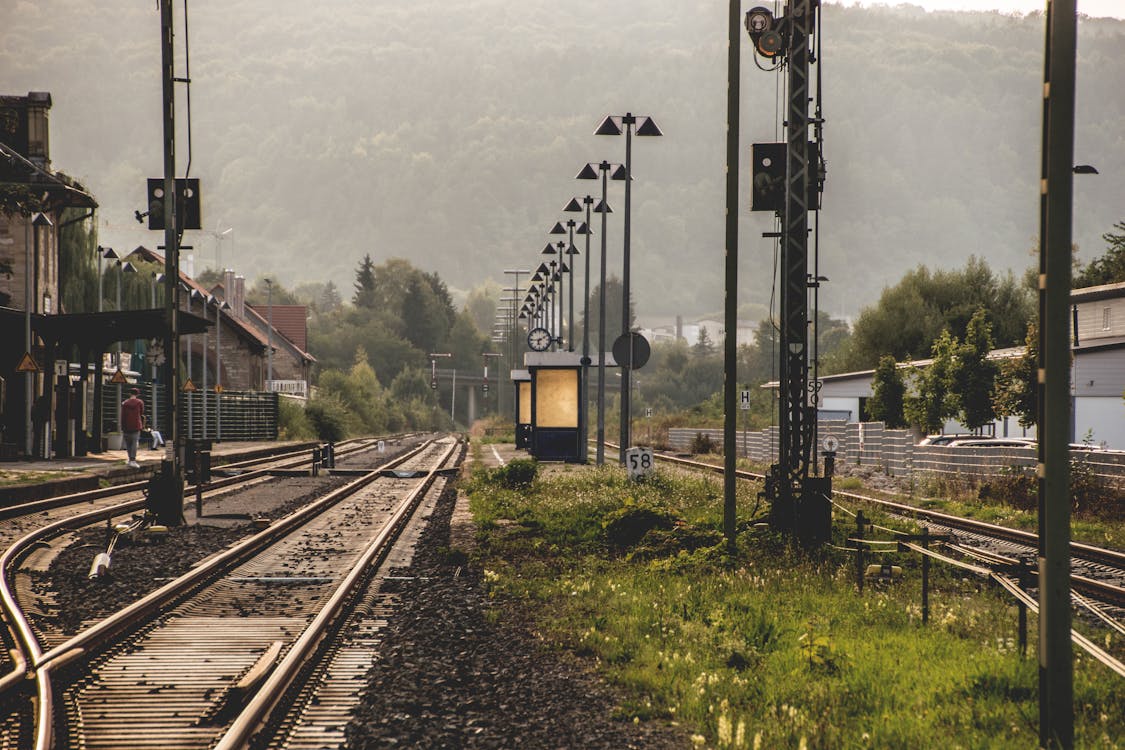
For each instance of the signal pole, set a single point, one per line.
(799, 503)
(172, 465)
(1056, 665)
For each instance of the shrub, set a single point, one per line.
(1014, 485)
(627, 525)
(518, 474)
(292, 422)
(702, 444)
(329, 418)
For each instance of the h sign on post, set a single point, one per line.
(639, 462)
(744, 401)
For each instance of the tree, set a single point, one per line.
(1017, 386)
(909, 316)
(974, 374)
(888, 391)
(613, 297)
(329, 300)
(481, 305)
(78, 267)
(705, 347)
(426, 325)
(935, 401)
(365, 284)
(1110, 267)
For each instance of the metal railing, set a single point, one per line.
(206, 415)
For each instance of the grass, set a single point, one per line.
(769, 647)
(14, 478)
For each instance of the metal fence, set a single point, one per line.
(205, 415)
(894, 451)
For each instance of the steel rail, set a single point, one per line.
(1100, 590)
(37, 506)
(84, 643)
(1085, 552)
(18, 624)
(266, 700)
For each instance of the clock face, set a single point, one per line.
(539, 339)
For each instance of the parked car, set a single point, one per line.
(993, 443)
(944, 439)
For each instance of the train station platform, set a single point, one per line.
(23, 481)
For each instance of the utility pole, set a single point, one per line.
(1056, 666)
(172, 465)
(730, 303)
(799, 503)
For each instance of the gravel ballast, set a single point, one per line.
(451, 677)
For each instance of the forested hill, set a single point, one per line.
(449, 133)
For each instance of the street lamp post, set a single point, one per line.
(219, 237)
(590, 172)
(576, 205)
(643, 126)
(157, 278)
(220, 305)
(269, 335)
(122, 269)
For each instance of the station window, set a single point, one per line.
(1105, 318)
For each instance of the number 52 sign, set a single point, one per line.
(639, 462)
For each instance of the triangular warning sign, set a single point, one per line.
(189, 386)
(118, 378)
(27, 364)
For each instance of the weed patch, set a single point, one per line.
(767, 647)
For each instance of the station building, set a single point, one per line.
(54, 362)
(1097, 375)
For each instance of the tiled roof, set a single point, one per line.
(289, 320)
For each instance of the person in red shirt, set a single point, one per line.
(132, 422)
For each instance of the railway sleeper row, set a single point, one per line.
(80, 646)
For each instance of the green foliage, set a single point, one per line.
(614, 295)
(292, 422)
(974, 375)
(364, 295)
(888, 390)
(627, 525)
(1109, 268)
(935, 400)
(517, 474)
(481, 305)
(702, 444)
(1017, 385)
(819, 650)
(726, 648)
(911, 315)
(78, 267)
(330, 418)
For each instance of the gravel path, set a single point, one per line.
(451, 677)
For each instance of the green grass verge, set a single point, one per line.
(771, 647)
(15, 478)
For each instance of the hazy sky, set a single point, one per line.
(1094, 8)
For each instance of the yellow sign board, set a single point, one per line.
(27, 364)
(118, 378)
(189, 386)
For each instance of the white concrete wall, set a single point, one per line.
(841, 404)
(1105, 417)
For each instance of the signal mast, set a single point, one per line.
(787, 179)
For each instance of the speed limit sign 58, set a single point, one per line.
(639, 462)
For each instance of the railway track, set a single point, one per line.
(1097, 572)
(31, 650)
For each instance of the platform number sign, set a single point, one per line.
(639, 462)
